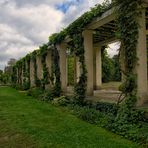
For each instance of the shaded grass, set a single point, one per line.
(27, 122)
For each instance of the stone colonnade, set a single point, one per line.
(94, 66)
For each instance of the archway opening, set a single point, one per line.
(111, 67)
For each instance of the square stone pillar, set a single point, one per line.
(32, 81)
(141, 68)
(98, 67)
(88, 47)
(63, 65)
(39, 67)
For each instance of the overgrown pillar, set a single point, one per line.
(141, 68)
(88, 47)
(63, 65)
(39, 67)
(32, 81)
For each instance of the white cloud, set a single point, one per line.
(25, 24)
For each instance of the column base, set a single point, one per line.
(142, 99)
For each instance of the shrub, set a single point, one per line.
(107, 107)
(47, 95)
(104, 107)
(35, 92)
(26, 85)
(89, 115)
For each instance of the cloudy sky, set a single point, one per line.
(26, 24)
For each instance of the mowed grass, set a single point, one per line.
(26, 123)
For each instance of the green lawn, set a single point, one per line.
(26, 122)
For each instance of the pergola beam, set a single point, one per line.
(107, 17)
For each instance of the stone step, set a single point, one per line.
(106, 95)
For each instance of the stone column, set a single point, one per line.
(49, 64)
(94, 67)
(98, 67)
(39, 67)
(88, 46)
(141, 68)
(32, 81)
(63, 65)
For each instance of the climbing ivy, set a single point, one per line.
(128, 27)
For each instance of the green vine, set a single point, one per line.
(77, 48)
(128, 30)
(36, 79)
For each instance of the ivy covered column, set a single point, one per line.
(88, 47)
(32, 71)
(98, 67)
(141, 68)
(63, 65)
(39, 67)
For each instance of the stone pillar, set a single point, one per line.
(94, 67)
(98, 67)
(32, 81)
(39, 67)
(141, 68)
(63, 65)
(49, 64)
(88, 46)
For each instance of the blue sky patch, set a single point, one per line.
(65, 6)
